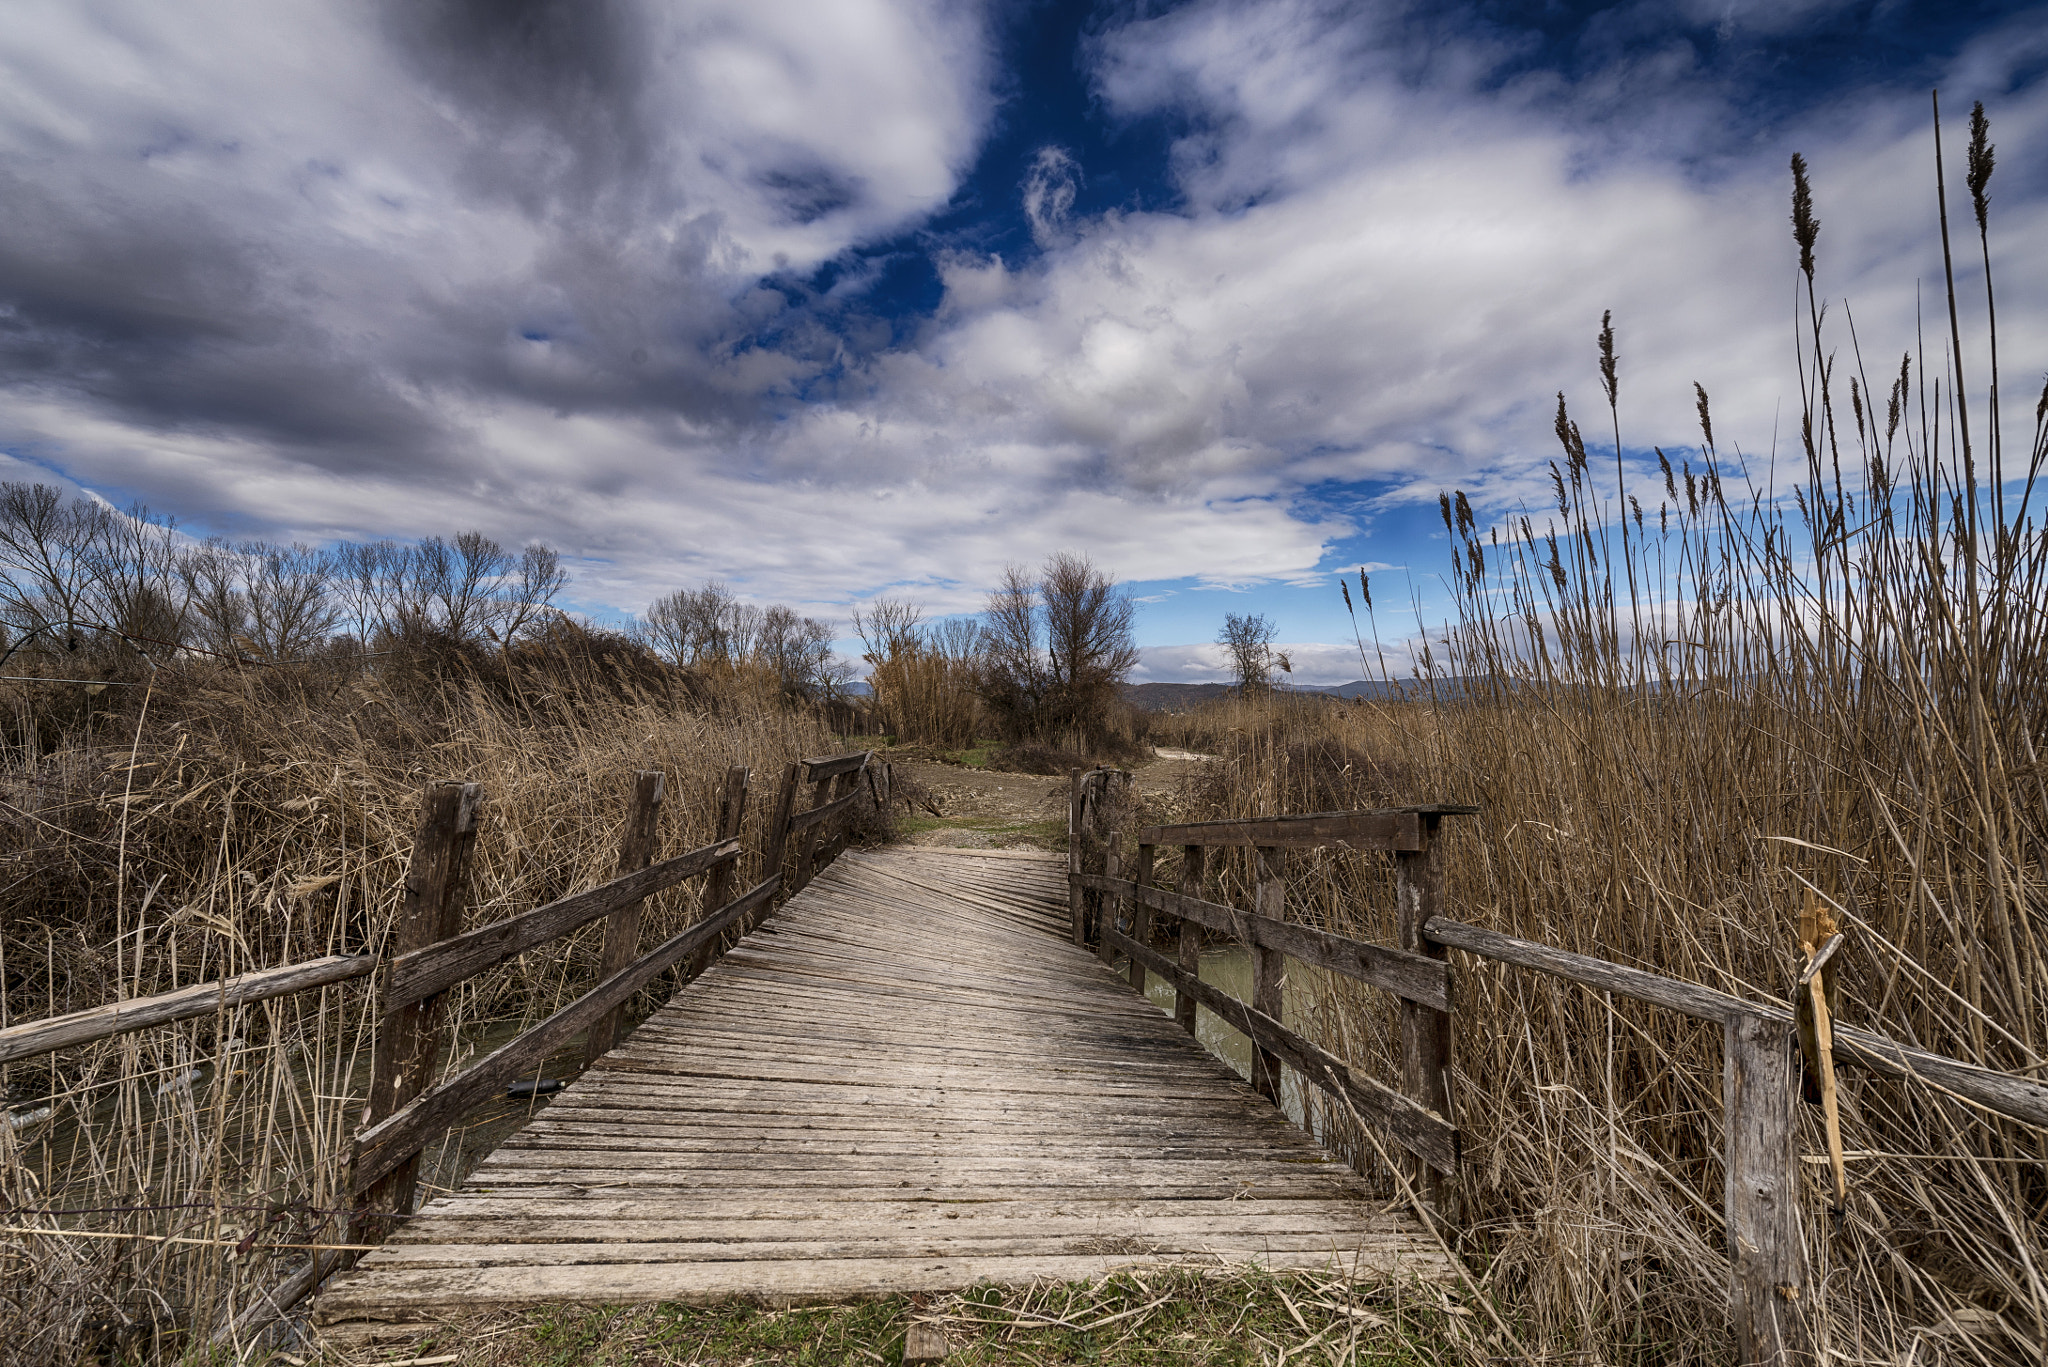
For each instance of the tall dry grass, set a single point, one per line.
(217, 820)
(1678, 718)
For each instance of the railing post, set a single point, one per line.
(732, 812)
(1112, 860)
(1141, 915)
(1192, 859)
(409, 1039)
(622, 929)
(822, 791)
(1077, 808)
(1269, 966)
(1768, 1293)
(1425, 1032)
(778, 825)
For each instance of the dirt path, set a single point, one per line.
(984, 809)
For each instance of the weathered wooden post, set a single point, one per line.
(1192, 859)
(1111, 842)
(1425, 1031)
(1269, 966)
(822, 791)
(778, 824)
(409, 1039)
(1077, 904)
(1141, 914)
(1769, 1299)
(622, 930)
(732, 814)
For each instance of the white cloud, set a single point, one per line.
(396, 280)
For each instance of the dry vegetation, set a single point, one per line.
(220, 819)
(1676, 721)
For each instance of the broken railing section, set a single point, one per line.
(1770, 1292)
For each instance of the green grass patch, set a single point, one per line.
(1146, 1317)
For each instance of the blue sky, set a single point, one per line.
(876, 296)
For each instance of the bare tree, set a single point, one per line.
(1056, 649)
(212, 575)
(285, 588)
(529, 592)
(47, 556)
(693, 627)
(1249, 639)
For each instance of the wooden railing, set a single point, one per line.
(1769, 1286)
(429, 954)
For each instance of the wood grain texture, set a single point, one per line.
(2020, 1098)
(1423, 1133)
(1388, 829)
(908, 1078)
(815, 769)
(1414, 977)
(622, 931)
(420, 973)
(1768, 1291)
(393, 1141)
(139, 1013)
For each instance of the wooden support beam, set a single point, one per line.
(408, 1041)
(1425, 1031)
(1770, 1298)
(1269, 965)
(420, 973)
(1416, 977)
(1192, 858)
(393, 1144)
(1429, 1136)
(773, 855)
(1141, 913)
(732, 815)
(1106, 908)
(204, 999)
(622, 932)
(1076, 897)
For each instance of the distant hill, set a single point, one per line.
(1172, 697)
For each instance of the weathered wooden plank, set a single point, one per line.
(1427, 1135)
(418, 974)
(1387, 829)
(408, 1041)
(385, 1145)
(394, 1297)
(732, 815)
(1189, 949)
(2020, 1098)
(815, 769)
(1768, 1293)
(622, 932)
(1425, 1031)
(1414, 977)
(804, 820)
(139, 1013)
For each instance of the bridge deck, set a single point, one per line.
(908, 1079)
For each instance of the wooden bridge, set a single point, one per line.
(922, 1071)
(909, 1079)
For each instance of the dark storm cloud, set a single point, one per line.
(174, 319)
(550, 89)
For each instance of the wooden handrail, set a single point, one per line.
(435, 968)
(1413, 977)
(382, 1147)
(1422, 1132)
(186, 1003)
(816, 769)
(1387, 829)
(2008, 1094)
(804, 820)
